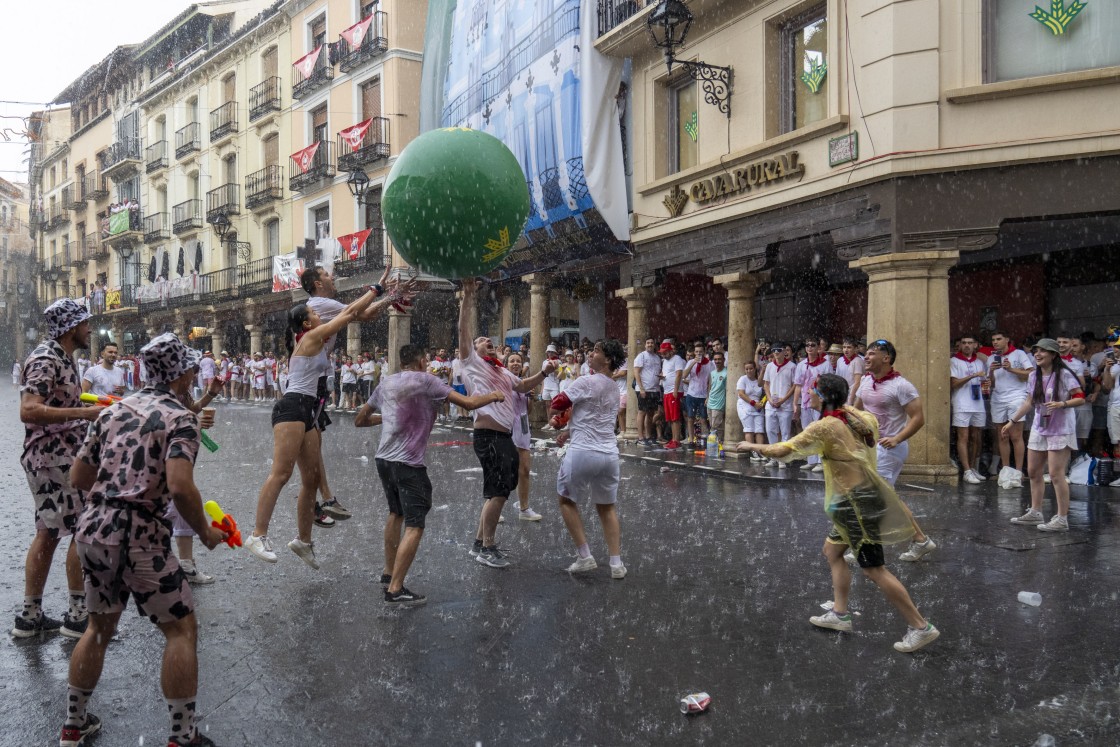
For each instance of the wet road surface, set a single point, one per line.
(724, 573)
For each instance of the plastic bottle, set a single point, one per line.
(1033, 598)
(712, 450)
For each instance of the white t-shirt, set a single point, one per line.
(327, 309)
(698, 379)
(1007, 389)
(551, 384)
(594, 411)
(103, 381)
(456, 372)
(1114, 394)
(650, 373)
(851, 371)
(621, 381)
(886, 400)
(753, 390)
(781, 383)
(480, 378)
(669, 370)
(963, 400)
(1079, 368)
(367, 370)
(348, 376)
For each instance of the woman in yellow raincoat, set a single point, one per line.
(865, 511)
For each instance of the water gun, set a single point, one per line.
(222, 520)
(209, 443)
(101, 400)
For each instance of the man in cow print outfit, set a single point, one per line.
(55, 422)
(139, 456)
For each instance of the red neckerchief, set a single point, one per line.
(843, 417)
(814, 365)
(848, 360)
(493, 361)
(300, 336)
(958, 356)
(1010, 349)
(703, 362)
(892, 374)
(777, 367)
(1067, 358)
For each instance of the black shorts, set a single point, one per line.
(324, 396)
(862, 527)
(649, 401)
(500, 462)
(363, 389)
(407, 490)
(296, 408)
(349, 388)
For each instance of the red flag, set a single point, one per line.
(306, 63)
(356, 33)
(303, 158)
(353, 135)
(352, 242)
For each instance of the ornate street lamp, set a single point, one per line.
(221, 226)
(357, 183)
(668, 27)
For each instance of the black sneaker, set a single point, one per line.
(405, 598)
(475, 549)
(31, 628)
(335, 509)
(72, 628)
(73, 736)
(492, 557)
(386, 579)
(321, 518)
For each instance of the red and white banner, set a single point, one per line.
(352, 243)
(356, 33)
(286, 269)
(305, 157)
(353, 135)
(306, 63)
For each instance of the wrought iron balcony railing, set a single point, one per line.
(321, 75)
(225, 199)
(321, 168)
(155, 156)
(94, 187)
(373, 147)
(157, 228)
(264, 98)
(186, 216)
(374, 44)
(223, 121)
(188, 140)
(264, 186)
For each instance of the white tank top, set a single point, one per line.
(303, 375)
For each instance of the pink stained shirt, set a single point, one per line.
(887, 400)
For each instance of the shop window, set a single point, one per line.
(1023, 40)
(684, 126)
(803, 69)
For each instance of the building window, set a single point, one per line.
(684, 126)
(1017, 45)
(319, 124)
(321, 222)
(272, 237)
(804, 69)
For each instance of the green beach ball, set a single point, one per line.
(455, 203)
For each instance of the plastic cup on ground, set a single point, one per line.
(1032, 598)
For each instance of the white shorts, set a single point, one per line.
(588, 476)
(1114, 424)
(779, 424)
(754, 421)
(622, 401)
(1002, 411)
(890, 461)
(179, 525)
(1038, 442)
(969, 419)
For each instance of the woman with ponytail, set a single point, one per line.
(296, 415)
(865, 511)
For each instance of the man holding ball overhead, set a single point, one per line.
(493, 425)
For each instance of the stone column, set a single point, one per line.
(540, 290)
(908, 304)
(354, 339)
(400, 334)
(118, 337)
(505, 317)
(637, 329)
(256, 333)
(216, 340)
(741, 290)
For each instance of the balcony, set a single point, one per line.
(223, 121)
(74, 252)
(613, 13)
(374, 44)
(371, 256)
(264, 186)
(373, 147)
(217, 286)
(225, 199)
(186, 216)
(188, 140)
(125, 228)
(254, 278)
(121, 298)
(155, 156)
(319, 170)
(57, 216)
(93, 248)
(157, 228)
(264, 98)
(168, 294)
(321, 75)
(94, 187)
(72, 198)
(122, 159)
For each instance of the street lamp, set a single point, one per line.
(668, 27)
(357, 183)
(221, 226)
(125, 250)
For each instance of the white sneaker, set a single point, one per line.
(850, 556)
(528, 515)
(806, 467)
(972, 478)
(818, 467)
(261, 547)
(1030, 517)
(501, 519)
(783, 466)
(1114, 484)
(305, 551)
(1056, 524)
(194, 576)
(618, 571)
(773, 463)
(1046, 478)
(918, 549)
(833, 621)
(583, 565)
(916, 639)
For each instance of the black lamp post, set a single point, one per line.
(221, 226)
(668, 27)
(357, 183)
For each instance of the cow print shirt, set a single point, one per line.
(51, 374)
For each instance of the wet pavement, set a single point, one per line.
(724, 571)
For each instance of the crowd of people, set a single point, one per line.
(118, 480)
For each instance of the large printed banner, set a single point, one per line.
(286, 269)
(529, 74)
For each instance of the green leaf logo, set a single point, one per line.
(1059, 17)
(814, 76)
(691, 126)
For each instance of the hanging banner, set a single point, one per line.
(286, 269)
(356, 33)
(353, 135)
(352, 243)
(118, 222)
(304, 158)
(306, 64)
